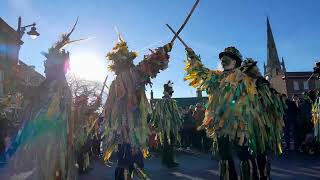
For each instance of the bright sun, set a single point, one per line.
(88, 66)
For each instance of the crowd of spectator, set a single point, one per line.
(298, 123)
(191, 138)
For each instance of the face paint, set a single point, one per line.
(227, 63)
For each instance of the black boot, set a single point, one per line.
(227, 170)
(255, 174)
(245, 173)
(264, 167)
(266, 173)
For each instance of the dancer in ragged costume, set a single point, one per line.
(272, 110)
(127, 106)
(43, 148)
(4, 124)
(82, 114)
(167, 121)
(316, 105)
(237, 114)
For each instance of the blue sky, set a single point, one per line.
(214, 25)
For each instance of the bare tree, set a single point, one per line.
(79, 87)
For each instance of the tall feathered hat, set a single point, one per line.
(120, 56)
(316, 69)
(168, 89)
(56, 55)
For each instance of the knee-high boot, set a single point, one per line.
(245, 170)
(249, 170)
(264, 167)
(227, 170)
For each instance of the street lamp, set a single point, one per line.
(32, 33)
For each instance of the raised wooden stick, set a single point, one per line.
(310, 77)
(176, 35)
(104, 84)
(185, 21)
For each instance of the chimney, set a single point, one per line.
(199, 93)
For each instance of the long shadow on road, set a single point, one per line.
(202, 167)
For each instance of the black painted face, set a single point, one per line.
(228, 63)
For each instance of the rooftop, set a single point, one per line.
(299, 74)
(9, 31)
(187, 101)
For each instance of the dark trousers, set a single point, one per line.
(250, 167)
(263, 166)
(287, 131)
(167, 153)
(122, 173)
(201, 141)
(186, 137)
(300, 134)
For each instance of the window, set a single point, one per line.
(306, 85)
(1, 82)
(296, 85)
(3, 52)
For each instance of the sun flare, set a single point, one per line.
(88, 66)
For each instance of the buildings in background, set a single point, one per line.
(14, 73)
(285, 82)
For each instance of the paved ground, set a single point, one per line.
(201, 167)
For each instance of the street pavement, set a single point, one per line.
(294, 166)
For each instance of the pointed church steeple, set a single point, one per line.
(273, 62)
(283, 65)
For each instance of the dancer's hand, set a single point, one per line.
(168, 47)
(190, 51)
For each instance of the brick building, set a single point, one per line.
(12, 71)
(297, 82)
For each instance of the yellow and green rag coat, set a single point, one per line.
(250, 115)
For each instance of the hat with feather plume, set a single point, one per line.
(56, 55)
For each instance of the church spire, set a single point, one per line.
(273, 62)
(283, 65)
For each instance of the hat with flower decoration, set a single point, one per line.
(168, 89)
(120, 56)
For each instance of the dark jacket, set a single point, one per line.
(291, 112)
(305, 113)
(189, 121)
(199, 115)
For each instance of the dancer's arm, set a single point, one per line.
(198, 75)
(152, 64)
